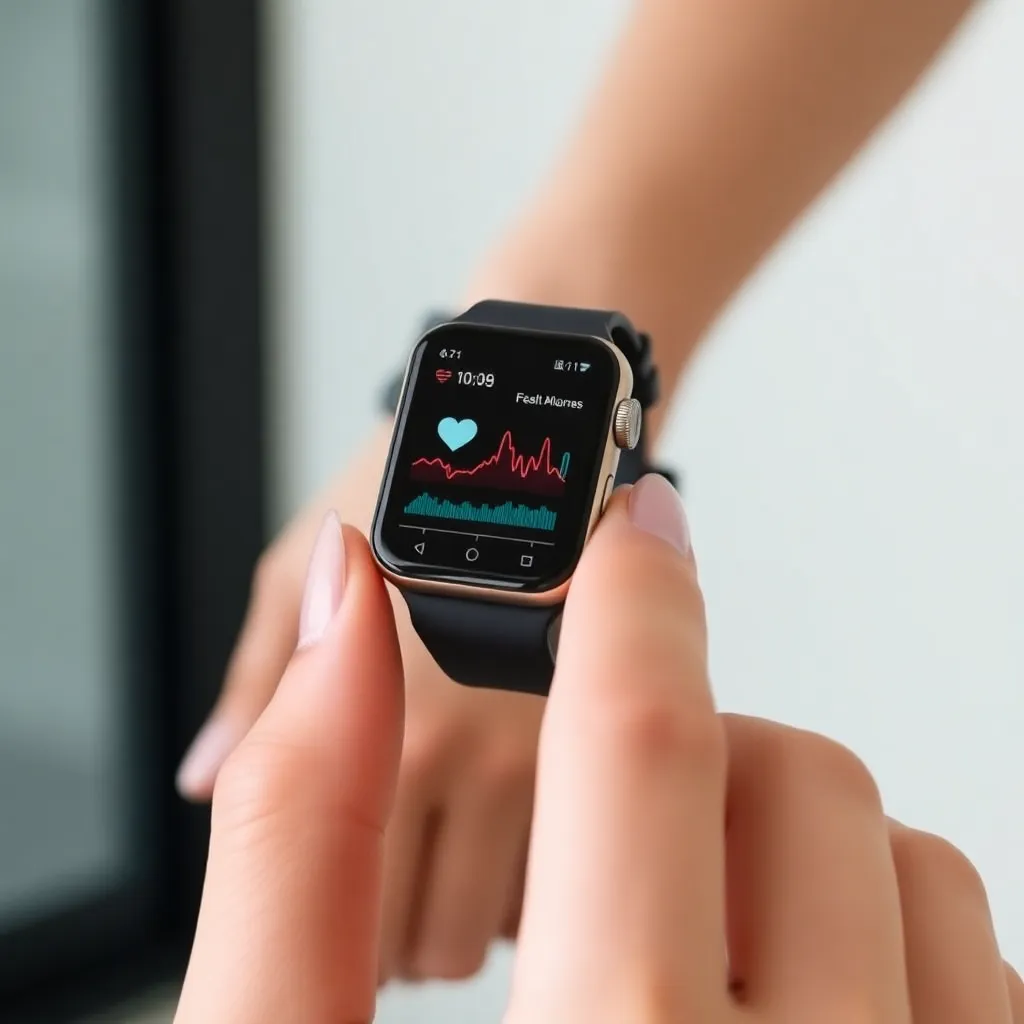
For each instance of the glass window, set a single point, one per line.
(61, 754)
(130, 378)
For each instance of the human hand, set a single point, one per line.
(456, 841)
(684, 866)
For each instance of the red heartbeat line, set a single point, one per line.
(518, 463)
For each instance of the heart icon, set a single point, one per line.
(456, 433)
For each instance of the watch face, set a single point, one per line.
(498, 451)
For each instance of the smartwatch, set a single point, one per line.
(513, 424)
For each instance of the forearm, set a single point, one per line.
(715, 124)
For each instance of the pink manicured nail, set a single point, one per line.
(655, 506)
(209, 750)
(325, 582)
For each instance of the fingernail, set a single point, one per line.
(655, 506)
(209, 750)
(325, 582)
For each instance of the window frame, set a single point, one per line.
(186, 197)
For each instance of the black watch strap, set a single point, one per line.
(480, 643)
(504, 646)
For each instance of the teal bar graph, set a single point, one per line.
(508, 514)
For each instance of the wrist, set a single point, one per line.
(562, 254)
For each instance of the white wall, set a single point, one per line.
(853, 438)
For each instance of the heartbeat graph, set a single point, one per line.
(508, 514)
(506, 469)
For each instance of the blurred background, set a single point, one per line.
(219, 225)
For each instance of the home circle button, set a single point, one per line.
(472, 554)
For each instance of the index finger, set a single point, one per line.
(626, 881)
(290, 917)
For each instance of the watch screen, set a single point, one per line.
(493, 472)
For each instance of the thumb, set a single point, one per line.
(288, 927)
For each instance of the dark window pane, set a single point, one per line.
(63, 832)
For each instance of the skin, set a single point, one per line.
(685, 866)
(715, 124)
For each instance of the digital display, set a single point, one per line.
(499, 444)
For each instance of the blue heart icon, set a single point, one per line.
(456, 433)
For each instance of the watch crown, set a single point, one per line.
(628, 417)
